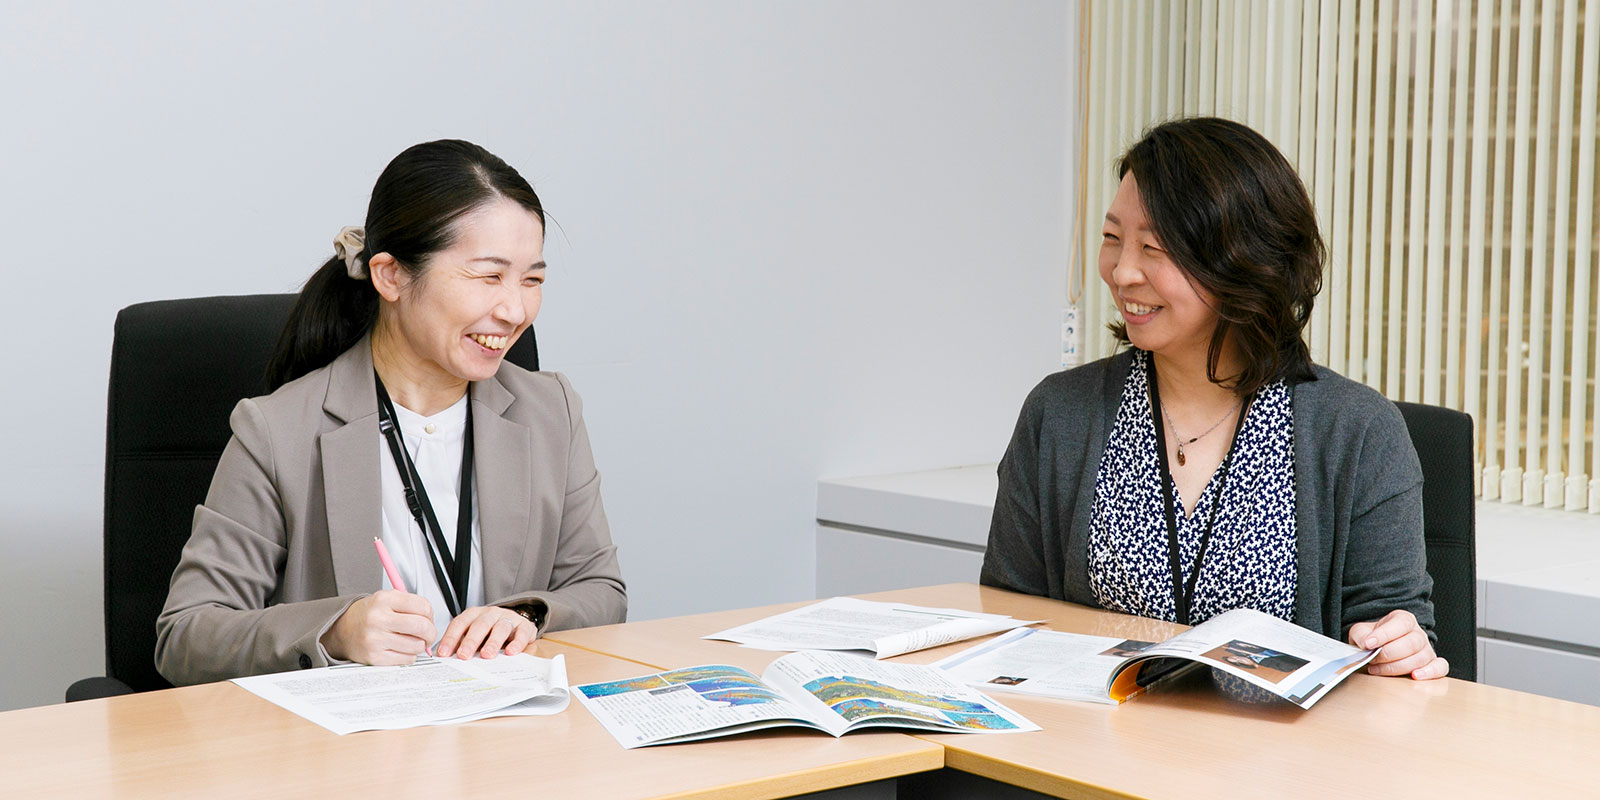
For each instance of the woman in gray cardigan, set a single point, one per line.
(1211, 466)
(395, 419)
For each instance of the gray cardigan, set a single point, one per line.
(1357, 484)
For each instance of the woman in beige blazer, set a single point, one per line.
(407, 323)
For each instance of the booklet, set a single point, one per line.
(883, 629)
(832, 692)
(1276, 655)
(432, 691)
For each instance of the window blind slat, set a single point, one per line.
(1511, 485)
(1176, 55)
(1481, 112)
(1336, 284)
(1433, 319)
(1538, 269)
(1257, 88)
(1304, 157)
(1398, 229)
(1416, 231)
(1555, 477)
(1239, 60)
(1322, 180)
(1383, 143)
(1208, 56)
(1140, 37)
(1431, 281)
(1458, 199)
(1580, 426)
(1193, 10)
(1366, 172)
(1496, 455)
(1288, 68)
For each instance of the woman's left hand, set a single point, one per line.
(486, 631)
(1405, 647)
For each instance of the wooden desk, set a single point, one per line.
(219, 740)
(1370, 736)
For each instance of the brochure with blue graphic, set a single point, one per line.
(831, 692)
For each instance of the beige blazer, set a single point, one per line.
(283, 544)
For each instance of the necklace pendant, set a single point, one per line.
(1181, 459)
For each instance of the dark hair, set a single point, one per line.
(1230, 210)
(411, 216)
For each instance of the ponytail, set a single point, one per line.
(331, 314)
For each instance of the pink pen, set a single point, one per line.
(394, 576)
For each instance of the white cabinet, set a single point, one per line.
(854, 562)
(1540, 670)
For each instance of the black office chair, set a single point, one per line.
(178, 367)
(1443, 439)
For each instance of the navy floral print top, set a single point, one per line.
(1250, 562)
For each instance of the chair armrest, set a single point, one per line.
(95, 688)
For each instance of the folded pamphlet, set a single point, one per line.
(1276, 655)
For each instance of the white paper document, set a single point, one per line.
(832, 692)
(883, 629)
(432, 691)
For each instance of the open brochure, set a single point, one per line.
(1283, 658)
(832, 692)
(432, 691)
(883, 629)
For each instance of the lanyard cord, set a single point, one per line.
(452, 572)
(1183, 595)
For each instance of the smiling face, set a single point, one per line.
(1165, 312)
(454, 322)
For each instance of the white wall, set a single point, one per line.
(795, 240)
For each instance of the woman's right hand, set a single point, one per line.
(384, 628)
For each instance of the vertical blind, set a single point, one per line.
(1449, 149)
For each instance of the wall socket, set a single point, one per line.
(1071, 337)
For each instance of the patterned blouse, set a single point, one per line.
(1250, 562)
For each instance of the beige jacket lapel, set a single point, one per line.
(503, 469)
(350, 478)
(503, 465)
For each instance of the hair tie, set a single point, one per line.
(348, 246)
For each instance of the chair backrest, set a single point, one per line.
(1443, 440)
(178, 367)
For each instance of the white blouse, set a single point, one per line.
(435, 446)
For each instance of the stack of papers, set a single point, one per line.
(883, 629)
(432, 691)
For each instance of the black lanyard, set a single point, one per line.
(452, 572)
(1183, 595)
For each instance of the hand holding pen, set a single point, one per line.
(387, 627)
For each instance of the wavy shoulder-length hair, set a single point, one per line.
(1234, 216)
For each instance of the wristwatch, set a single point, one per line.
(533, 612)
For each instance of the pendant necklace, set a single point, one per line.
(1182, 441)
